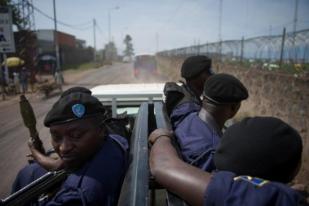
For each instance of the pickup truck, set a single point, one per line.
(144, 103)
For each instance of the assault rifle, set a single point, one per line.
(43, 185)
(35, 189)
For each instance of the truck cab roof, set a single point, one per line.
(128, 97)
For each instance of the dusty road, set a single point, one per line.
(13, 134)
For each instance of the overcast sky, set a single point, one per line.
(168, 24)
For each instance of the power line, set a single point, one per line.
(76, 27)
(172, 16)
(100, 30)
(84, 24)
(175, 12)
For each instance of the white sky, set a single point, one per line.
(169, 24)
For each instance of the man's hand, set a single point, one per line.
(173, 94)
(172, 173)
(156, 134)
(46, 162)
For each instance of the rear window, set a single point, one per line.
(145, 62)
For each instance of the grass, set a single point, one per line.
(81, 67)
(286, 67)
(297, 68)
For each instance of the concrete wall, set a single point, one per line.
(270, 94)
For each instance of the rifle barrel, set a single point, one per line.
(35, 188)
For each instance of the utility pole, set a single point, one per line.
(282, 47)
(220, 30)
(31, 10)
(58, 69)
(157, 42)
(269, 45)
(109, 26)
(242, 50)
(294, 29)
(27, 43)
(198, 46)
(110, 22)
(94, 41)
(2, 78)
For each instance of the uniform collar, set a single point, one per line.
(206, 117)
(191, 92)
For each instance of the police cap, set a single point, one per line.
(74, 105)
(195, 65)
(224, 88)
(76, 89)
(264, 147)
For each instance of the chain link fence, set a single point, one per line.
(288, 51)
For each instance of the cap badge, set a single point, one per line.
(78, 110)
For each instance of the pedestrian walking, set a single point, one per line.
(24, 79)
(16, 81)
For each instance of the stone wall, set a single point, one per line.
(270, 94)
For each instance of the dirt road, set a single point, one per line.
(13, 134)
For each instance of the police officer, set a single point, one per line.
(199, 133)
(195, 70)
(95, 159)
(255, 159)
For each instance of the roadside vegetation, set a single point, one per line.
(83, 66)
(290, 68)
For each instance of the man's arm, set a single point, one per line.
(171, 172)
(48, 163)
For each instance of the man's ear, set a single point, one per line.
(234, 108)
(103, 128)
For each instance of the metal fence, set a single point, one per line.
(289, 47)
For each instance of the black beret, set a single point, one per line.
(224, 88)
(195, 65)
(76, 89)
(264, 147)
(73, 106)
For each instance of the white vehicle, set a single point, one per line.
(145, 63)
(128, 97)
(127, 59)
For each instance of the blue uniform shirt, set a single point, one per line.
(197, 138)
(181, 111)
(226, 189)
(98, 182)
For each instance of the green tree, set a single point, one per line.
(129, 51)
(17, 18)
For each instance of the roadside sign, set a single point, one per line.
(7, 43)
